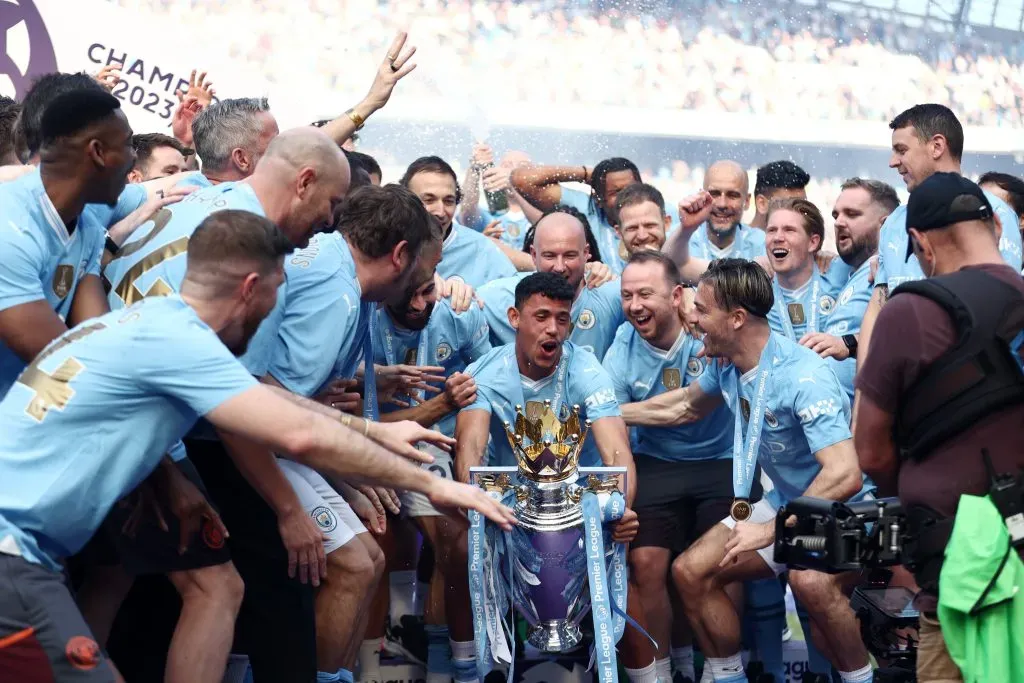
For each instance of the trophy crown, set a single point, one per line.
(546, 447)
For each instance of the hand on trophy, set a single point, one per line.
(445, 493)
(625, 529)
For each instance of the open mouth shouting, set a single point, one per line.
(644, 322)
(548, 350)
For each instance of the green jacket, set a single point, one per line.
(980, 611)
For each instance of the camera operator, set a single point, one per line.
(922, 424)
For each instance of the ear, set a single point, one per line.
(668, 223)
(513, 317)
(677, 296)
(305, 181)
(815, 243)
(135, 176)
(738, 317)
(938, 146)
(240, 160)
(761, 204)
(746, 202)
(249, 286)
(94, 150)
(398, 254)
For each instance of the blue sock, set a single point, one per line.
(816, 662)
(764, 621)
(439, 655)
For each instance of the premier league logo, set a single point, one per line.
(26, 51)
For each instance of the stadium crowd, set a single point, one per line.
(702, 55)
(245, 371)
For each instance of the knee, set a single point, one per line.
(377, 558)
(814, 590)
(218, 585)
(650, 573)
(351, 564)
(689, 575)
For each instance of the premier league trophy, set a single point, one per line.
(555, 565)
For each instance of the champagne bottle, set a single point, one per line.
(497, 202)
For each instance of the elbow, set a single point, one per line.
(849, 483)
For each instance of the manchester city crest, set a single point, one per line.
(325, 518)
(63, 278)
(671, 378)
(586, 319)
(826, 304)
(770, 419)
(444, 351)
(513, 230)
(694, 367)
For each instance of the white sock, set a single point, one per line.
(402, 591)
(726, 668)
(648, 674)
(664, 667)
(682, 661)
(369, 661)
(865, 674)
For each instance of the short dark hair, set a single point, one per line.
(363, 161)
(599, 180)
(814, 222)
(74, 111)
(145, 143)
(738, 283)
(1011, 184)
(375, 219)
(881, 193)
(928, 120)
(552, 286)
(9, 111)
(595, 252)
(236, 235)
(431, 164)
(780, 175)
(638, 193)
(668, 265)
(43, 91)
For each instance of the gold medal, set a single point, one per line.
(741, 510)
(796, 314)
(745, 409)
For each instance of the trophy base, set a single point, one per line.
(554, 636)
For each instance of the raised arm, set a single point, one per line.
(469, 207)
(671, 409)
(394, 68)
(539, 185)
(693, 212)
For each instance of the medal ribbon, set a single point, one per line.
(782, 308)
(371, 411)
(745, 450)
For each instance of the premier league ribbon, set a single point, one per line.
(371, 411)
(745, 450)
(781, 307)
(490, 594)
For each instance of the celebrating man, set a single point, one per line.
(723, 235)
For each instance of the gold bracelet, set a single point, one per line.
(366, 428)
(356, 118)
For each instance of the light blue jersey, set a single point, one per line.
(325, 321)
(808, 307)
(514, 225)
(747, 244)
(579, 380)
(451, 340)
(95, 412)
(806, 412)
(131, 198)
(846, 318)
(607, 238)
(641, 371)
(195, 179)
(153, 262)
(39, 258)
(596, 313)
(894, 268)
(475, 259)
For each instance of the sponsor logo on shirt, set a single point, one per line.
(826, 406)
(845, 296)
(599, 397)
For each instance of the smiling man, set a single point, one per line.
(643, 222)
(723, 235)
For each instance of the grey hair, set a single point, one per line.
(225, 126)
(881, 193)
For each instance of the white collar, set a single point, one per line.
(451, 236)
(53, 218)
(662, 353)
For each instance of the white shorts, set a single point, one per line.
(415, 504)
(762, 512)
(323, 504)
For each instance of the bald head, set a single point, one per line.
(726, 182)
(515, 159)
(301, 181)
(560, 246)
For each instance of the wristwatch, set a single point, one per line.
(851, 344)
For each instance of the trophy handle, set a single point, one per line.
(603, 475)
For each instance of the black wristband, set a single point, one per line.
(110, 245)
(851, 344)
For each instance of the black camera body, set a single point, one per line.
(834, 537)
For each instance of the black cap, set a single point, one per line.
(944, 199)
